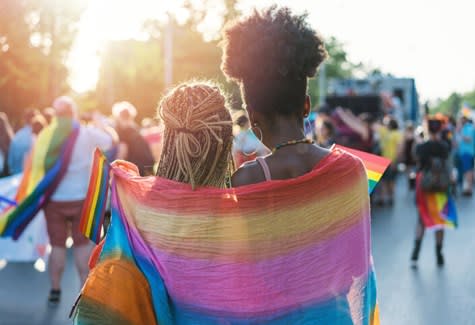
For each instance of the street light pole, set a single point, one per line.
(322, 79)
(168, 52)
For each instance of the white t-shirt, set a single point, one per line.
(74, 185)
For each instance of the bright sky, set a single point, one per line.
(429, 40)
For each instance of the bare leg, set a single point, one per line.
(81, 258)
(57, 260)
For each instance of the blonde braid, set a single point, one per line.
(198, 136)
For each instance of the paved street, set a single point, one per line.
(428, 295)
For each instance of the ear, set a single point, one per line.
(307, 106)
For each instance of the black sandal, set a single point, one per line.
(54, 296)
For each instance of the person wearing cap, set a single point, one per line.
(64, 208)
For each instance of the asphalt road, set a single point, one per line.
(427, 295)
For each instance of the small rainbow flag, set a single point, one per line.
(375, 165)
(92, 215)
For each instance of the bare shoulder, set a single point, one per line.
(249, 173)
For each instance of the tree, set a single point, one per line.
(134, 70)
(35, 37)
(336, 66)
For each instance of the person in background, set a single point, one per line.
(466, 152)
(391, 146)
(132, 145)
(38, 123)
(152, 131)
(63, 211)
(433, 148)
(326, 134)
(21, 143)
(354, 131)
(246, 145)
(408, 151)
(48, 114)
(6, 136)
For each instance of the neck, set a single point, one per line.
(282, 129)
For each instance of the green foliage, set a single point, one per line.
(35, 37)
(336, 66)
(134, 70)
(452, 104)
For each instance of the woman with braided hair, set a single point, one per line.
(198, 136)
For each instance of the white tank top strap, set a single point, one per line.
(265, 168)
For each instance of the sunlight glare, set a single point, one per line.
(109, 20)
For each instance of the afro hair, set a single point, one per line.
(271, 53)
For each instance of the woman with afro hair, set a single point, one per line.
(270, 55)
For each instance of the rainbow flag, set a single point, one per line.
(436, 210)
(92, 216)
(374, 165)
(44, 171)
(269, 253)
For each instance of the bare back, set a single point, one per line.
(286, 163)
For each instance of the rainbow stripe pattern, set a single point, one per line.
(436, 210)
(44, 170)
(268, 253)
(95, 204)
(374, 165)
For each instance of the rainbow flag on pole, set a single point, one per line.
(375, 165)
(92, 216)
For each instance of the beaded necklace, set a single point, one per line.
(291, 142)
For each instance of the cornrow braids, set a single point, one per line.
(198, 136)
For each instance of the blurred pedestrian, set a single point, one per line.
(436, 209)
(466, 153)
(132, 146)
(48, 113)
(326, 134)
(390, 140)
(6, 136)
(408, 154)
(21, 143)
(38, 123)
(152, 131)
(64, 208)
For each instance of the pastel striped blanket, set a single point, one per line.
(43, 172)
(281, 252)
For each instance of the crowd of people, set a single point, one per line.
(195, 140)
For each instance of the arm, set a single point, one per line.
(353, 122)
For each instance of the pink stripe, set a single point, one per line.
(308, 275)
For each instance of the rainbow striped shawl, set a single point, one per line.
(43, 172)
(280, 252)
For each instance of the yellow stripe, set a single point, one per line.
(3, 221)
(374, 176)
(97, 186)
(205, 234)
(39, 155)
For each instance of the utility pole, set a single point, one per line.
(322, 80)
(168, 52)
